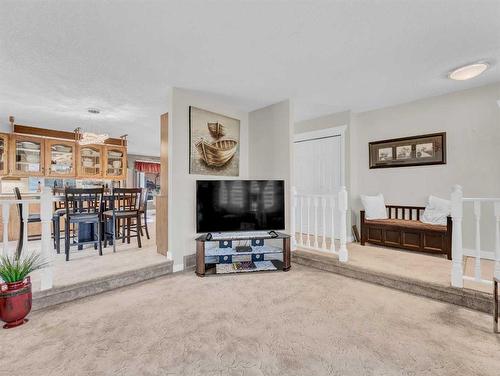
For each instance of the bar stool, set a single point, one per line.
(83, 206)
(125, 203)
(32, 218)
(59, 212)
(143, 210)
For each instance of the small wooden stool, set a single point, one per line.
(496, 279)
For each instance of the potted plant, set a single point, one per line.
(15, 290)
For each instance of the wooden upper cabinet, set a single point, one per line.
(4, 151)
(60, 158)
(90, 161)
(26, 155)
(115, 162)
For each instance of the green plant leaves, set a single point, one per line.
(15, 270)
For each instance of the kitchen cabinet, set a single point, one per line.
(60, 158)
(89, 159)
(4, 151)
(115, 162)
(26, 156)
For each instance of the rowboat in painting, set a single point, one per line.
(217, 153)
(216, 129)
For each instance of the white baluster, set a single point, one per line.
(47, 252)
(456, 248)
(477, 216)
(292, 218)
(308, 221)
(315, 222)
(301, 237)
(343, 256)
(26, 212)
(332, 233)
(323, 206)
(5, 221)
(497, 239)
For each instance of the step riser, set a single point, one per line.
(463, 297)
(59, 295)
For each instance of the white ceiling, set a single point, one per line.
(57, 58)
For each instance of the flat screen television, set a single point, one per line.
(240, 205)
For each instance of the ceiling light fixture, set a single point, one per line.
(468, 71)
(90, 138)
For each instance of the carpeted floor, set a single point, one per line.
(305, 322)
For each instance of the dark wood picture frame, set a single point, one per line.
(423, 150)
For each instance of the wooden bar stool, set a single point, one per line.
(83, 206)
(143, 210)
(32, 218)
(125, 203)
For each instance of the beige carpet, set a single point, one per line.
(305, 322)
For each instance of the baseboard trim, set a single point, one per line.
(178, 268)
(64, 294)
(476, 300)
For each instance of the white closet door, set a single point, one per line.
(317, 165)
(317, 170)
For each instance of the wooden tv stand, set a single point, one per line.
(219, 259)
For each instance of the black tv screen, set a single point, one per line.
(240, 205)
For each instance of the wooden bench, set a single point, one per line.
(403, 229)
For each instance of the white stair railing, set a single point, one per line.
(314, 219)
(45, 249)
(458, 251)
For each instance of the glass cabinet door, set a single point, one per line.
(3, 154)
(60, 158)
(115, 162)
(28, 156)
(90, 161)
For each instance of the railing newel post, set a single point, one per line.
(293, 219)
(5, 221)
(456, 249)
(343, 255)
(497, 239)
(46, 246)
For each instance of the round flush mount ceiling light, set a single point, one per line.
(93, 110)
(468, 71)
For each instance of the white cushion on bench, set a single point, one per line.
(374, 206)
(436, 211)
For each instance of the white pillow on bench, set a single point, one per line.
(374, 206)
(436, 211)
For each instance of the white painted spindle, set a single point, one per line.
(315, 222)
(308, 221)
(26, 212)
(343, 225)
(323, 210)
(332, 232)
(5, 222)
(292, 218)
(301, 237)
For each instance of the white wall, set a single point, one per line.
(182, 185)
(270, 153)
(323, 122)
(471, 120)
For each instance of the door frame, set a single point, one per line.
(338, 131)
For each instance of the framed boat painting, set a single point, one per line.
(428, 149)
(214, 143)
